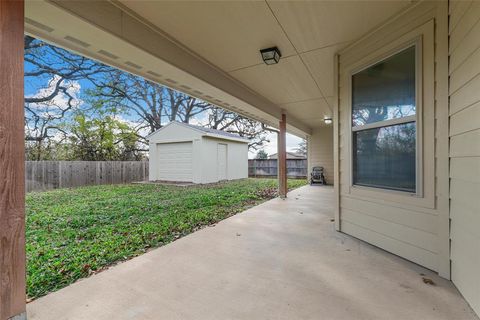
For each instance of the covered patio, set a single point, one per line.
(279, 260)
(387, 95)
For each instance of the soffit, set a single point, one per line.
(286, 82)
(312, 25)
(320, 62)
(229, 34)
(226, 33)
(312, 112)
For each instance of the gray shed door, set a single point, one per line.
(222, 161)
(175, 161)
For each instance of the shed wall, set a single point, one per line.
(414, 227)
(464, 70)
(237, 159)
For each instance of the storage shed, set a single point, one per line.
(188, 153)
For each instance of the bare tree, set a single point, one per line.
(54, 74)
(155, 105)
(151, 103)
(302, 148)
(232, 122)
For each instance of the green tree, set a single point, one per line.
(102, 138)
(302, 148)
(57, 100)
(261, 154)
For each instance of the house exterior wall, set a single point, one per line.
(320, 151)
(415, 227)
(237, 159)
(464, 70)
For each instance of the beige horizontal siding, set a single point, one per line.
(466, 192)
(466, 96)
(465, 220)
(464, 90)
(465, 169)
(465, 269)
(467, 71)
(465, 23)
(381, 240)
(403, 225)
(465, 144)
(459, 56)
(465, 120)
(415, 237)
(403, 217)
(457, 10)
(320, 151)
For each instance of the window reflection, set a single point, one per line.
(385, 90)
(385, 157)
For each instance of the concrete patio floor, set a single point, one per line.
(279, 260)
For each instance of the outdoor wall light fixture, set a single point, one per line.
(271, 55)
(327, 120)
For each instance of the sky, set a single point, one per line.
(41, 86)
(271, 147)
(36, 89)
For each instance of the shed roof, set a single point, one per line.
(209, 132)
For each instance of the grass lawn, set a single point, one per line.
(72, 233)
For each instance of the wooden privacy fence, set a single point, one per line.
(46, 175)
(296, 168)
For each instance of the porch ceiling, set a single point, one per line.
(211, 49)
(230, 34)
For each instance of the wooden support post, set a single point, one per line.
(282, 158)
(12, 162)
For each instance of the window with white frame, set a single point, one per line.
(384, 123)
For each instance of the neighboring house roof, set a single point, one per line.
(205, 132)
(290, 155)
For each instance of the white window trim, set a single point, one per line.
(386, 123)
(425, 197)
